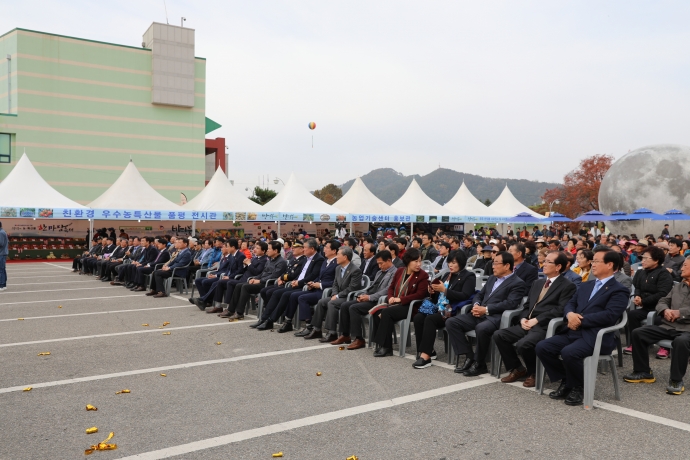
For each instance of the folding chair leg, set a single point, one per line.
(590, 368)
(540, 377)
(371, 331)
(614, 374)
(403, 338)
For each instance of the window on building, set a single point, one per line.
(5, 156)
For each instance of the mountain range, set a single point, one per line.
(440, 185)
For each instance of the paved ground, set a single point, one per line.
(257, 393)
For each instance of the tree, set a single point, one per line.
(580, 190)
(262, 195)
(329, 194)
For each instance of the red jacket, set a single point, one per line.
(417, 287)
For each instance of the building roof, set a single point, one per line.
(220, 195)
(131, 191)
(24, 187)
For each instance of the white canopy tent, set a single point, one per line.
(359, 199)
(464, 203)
(25, 188)
(415, 201)
(507, 205)
(220, 195)
(131, 189)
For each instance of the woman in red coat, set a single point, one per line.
(409, 283)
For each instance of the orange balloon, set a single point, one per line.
(312, 125)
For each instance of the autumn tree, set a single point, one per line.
(580, 190)
(262, 195)
(330, 193)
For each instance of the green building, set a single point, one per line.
(82, 108)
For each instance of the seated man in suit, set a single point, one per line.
(596, 305)
(107, 246)
(369, 266)
(394, 249)
(568, 273)
(427, 248)
(107, 266)
(352, 244)
(348, 278)
(162, 256)
(229, 266)
(502, 291)
(275, 267)
(132, 255)
(440, 262)
(182, 258)
(674, 310)
(546, 301)
(79, 260)
(309, 269)
(225, 287)
(303, 300)
(527, 272)
(352, 311)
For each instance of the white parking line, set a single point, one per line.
(65, 267)
(56, 290)
(163, 368)
(306, 421)
(95, 313)
(69, 300)
(53, 282)
(46, 276)
(115, 334)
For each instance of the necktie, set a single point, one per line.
(543, 290)
(597, 286)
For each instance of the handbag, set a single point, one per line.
(428, 307)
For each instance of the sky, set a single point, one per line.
(521, 90)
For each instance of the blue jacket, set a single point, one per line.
(225, 265)
(215, 256)
(603, 310)
(313, 270)
(4, 243)
(182, 260)
(327, 274)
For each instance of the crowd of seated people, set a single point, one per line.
(587, 279)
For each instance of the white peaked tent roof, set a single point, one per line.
(220, 195)
(295, 198)
(465, 204)
(24, 187)
(359, 199)
(415, 201)
(507, 205)
(131, 191)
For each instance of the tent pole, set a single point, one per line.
(279, 229)
(90, 233)
(411, 229)
(193, 228)
(350, 228)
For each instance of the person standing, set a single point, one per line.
(4, 250)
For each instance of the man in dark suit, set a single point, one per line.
(314, 292)
(279, 302)
(132, 255)
(596, 305)
(161, 257)
(90, 264)
(275, 267)
(527, 272)
(251, 267)
(106, 267)
(181, 260)
(395, 251)
(348, 278)
(229, 266)
(427, 248)
(351, 312)
(503, 291)
(369, 266)
(546, 301)
(79, 260)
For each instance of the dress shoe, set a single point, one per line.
(530, 382)
(236, 317)
(226, 313)
(265, 326)
(476, 369)
(514, 376)
(115, 283)
(257, 324)
(151, 293)
(286, 327)
(304, 332)
(575, 397)
(329, 338)
(314, 334)
(192, 300)
(357, 344)
(138, 289)
(561, 393)
(213, 310)
(341, 340)
(381, 352)
(160, 295)
(466, 365)
(201, 304)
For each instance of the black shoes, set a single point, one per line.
(286, 327)
(266, 325)
(639, 377)
(257, 324)
(304, 332)
(381, 352)
(466, 365)
(192, 300)
(476, 369)
(561, 393)
(575, 397)
(421, 363)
